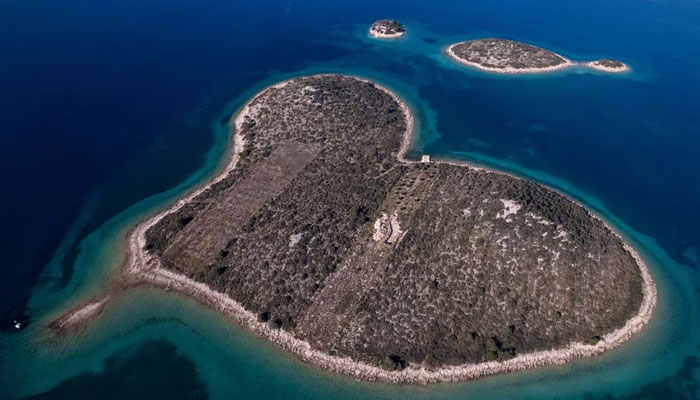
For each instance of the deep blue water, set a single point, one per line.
(104, 104)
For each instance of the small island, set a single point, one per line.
(510, 57)
(322, 237)
(387, 29)
(506, 56)
(607, 65)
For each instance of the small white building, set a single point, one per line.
(425, 158)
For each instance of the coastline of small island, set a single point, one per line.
(385, 233)
(387, 29)
(607, 65)
(504, 56)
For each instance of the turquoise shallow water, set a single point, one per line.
(622, 145)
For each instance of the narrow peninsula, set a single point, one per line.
(321, 237)
(387, 29)
(511, 57)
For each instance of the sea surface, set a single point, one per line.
(112, 109)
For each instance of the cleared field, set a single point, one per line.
(202, 239)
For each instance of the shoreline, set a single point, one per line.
(379, 35)
(142, 268)
(597, 66)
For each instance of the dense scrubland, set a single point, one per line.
(324, 233)
(503, 54)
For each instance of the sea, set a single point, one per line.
(110, 110)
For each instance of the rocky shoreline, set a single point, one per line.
(386, 29)
(562, 62)
(608, 66)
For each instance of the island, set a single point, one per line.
(506, 56)
(321, 236)
(607, 65)
(387, 29)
